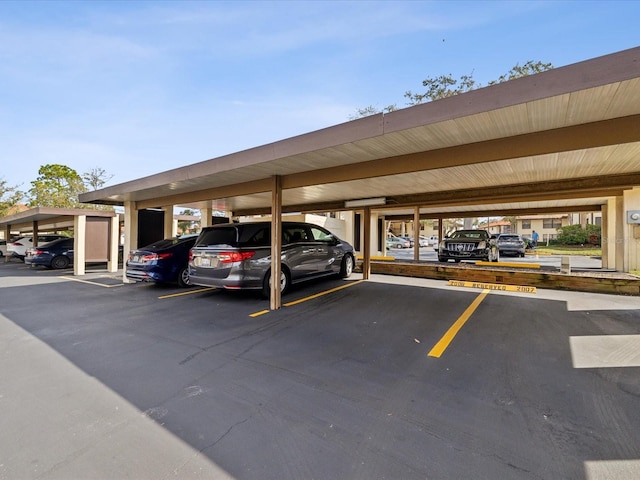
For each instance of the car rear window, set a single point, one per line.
(510, 238)
(218, 237)
(162, 244)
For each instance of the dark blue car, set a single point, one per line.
(165, 261)
(56, 254)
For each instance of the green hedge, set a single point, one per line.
(577, 235)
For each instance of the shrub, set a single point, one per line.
(576, 235)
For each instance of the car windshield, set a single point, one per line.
(479, 234)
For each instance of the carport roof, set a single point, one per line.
(562, 140)
(49, 218)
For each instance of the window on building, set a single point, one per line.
(551, 223)
(526, 224)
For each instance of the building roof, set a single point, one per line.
(562, 140)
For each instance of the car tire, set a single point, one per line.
(183, 278)
(60, 262)
(346, 268)
(442, 259)
(285, 281)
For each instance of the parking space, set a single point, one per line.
(147, 381)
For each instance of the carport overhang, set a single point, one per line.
(563, 140)
(45, 219)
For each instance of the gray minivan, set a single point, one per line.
(238, 255)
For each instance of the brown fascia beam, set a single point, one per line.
(217, 193)
(590, 135)
(513, 212)
(321, 207)
(607, 186)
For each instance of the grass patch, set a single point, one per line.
(588, 251)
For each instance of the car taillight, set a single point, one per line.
(231, 257)
(150, 257)
(190, 255)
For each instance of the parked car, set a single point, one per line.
(164, 261)
(238, 255)
(432, 240)
(528, 243)
(408, 239)
(511, 244)
(3, 248)
(397, 242)
(18, 247)
(468, 245)
(57, 254)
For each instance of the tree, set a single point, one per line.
(96, 178)
(9, 197)
(57, 186)
(187, 226)
(446, 86)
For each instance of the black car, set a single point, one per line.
(165, 261)
(56, 254)
(468, 245)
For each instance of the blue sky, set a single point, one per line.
(140, 87)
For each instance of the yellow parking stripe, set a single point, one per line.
(448, 337)
(493, 286)
(510, 264)
(310, 297)
(190, 292)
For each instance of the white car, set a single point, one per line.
(18, 246)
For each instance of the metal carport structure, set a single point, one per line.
(96, 232)
(567, 139)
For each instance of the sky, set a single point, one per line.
(140, 87)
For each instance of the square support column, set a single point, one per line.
(631, 230)
(79, 244)
(416, 234)
(276, 242)
(168, 221)
(366, 242)
(114, 243)
(130, 232)
(205, 216)
(7, 237)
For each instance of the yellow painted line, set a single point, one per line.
(493, 286)
(378, 258)
(311, 297)
(326, 292)
(89, 282)
(509, 264)
(448, 337)
(189, 292)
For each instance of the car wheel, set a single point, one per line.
(442, 259)
(346, 268)
(284, 283)
(457, 260)
(59, 262)
(183, 278)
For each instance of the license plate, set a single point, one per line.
(136, 258)
(205, 262)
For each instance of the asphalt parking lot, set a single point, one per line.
(391, 378)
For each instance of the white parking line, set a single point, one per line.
(605, 351)
(612, 469)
